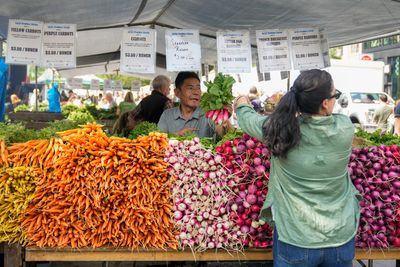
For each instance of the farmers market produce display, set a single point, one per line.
(81, 188)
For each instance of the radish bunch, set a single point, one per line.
(218, 116)
(200, 194)
(375, 172)
(218, 95)
(249, 161)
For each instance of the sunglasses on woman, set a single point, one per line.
(336, 95)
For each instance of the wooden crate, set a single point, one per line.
(35, 120)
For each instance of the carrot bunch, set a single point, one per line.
(103, 191)
(38, 153)
(3, 153)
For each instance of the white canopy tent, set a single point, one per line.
(100, 22)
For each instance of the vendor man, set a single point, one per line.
(188, 117)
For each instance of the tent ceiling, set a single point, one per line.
(100, 22)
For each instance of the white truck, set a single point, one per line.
(361, 83)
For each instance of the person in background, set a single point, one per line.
(149, 109)
(14, 102)
(255, 99)
(397, 118)
(53, 97)
(153, 105)
(107, 102)
(75, 100)
(383, 113)
(119, 97)
(126, 105)
(188, 117)
(311, 199)
(34, 97)
(71, 94)
(63, 98)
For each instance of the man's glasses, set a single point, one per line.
(336, 95)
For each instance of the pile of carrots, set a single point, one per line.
(97, 190)
(3, 154)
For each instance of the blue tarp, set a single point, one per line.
(3, 86)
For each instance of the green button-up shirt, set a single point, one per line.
(172, 121)
(314, 202)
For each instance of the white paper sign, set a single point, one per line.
(135, 85)
(59, 45)
(306, 49)
(183, 50)
(94, 84)
(24, 42)
(324, 48)
(138, 50)
(118, 85)
(74, 83)
(107, 85)
(273, 50)
(234, 52)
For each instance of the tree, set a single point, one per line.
(31, 72)
(126, 80)
(334, 53)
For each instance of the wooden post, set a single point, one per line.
(12, 255)
(36, 88)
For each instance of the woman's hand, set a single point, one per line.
(241, 100)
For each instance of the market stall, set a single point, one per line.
(52, 221)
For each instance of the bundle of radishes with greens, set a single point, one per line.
(201, 194)
(375, 172)
(218, 95)
(249, 161)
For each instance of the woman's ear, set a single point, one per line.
(324, 107)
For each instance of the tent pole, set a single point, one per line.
(288, 81)
(36, 88)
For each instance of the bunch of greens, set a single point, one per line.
(81, 117)
(67, 109)
(187, 136)
(219, 93)
(56, 126)
(16, 133)
(143, 128)
(231, 135)
(102, 114)
(42, 107)
(378, 137)
(21, 108)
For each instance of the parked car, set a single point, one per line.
(360, 107)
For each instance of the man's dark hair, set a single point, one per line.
(383, 98)
(183, 75)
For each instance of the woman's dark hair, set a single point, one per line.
(129, 97)
(183, 75)
(119, 126)
(282, 129)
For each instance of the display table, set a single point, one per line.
(35, 120)
(33, 254)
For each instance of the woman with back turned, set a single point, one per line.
(311, 200)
